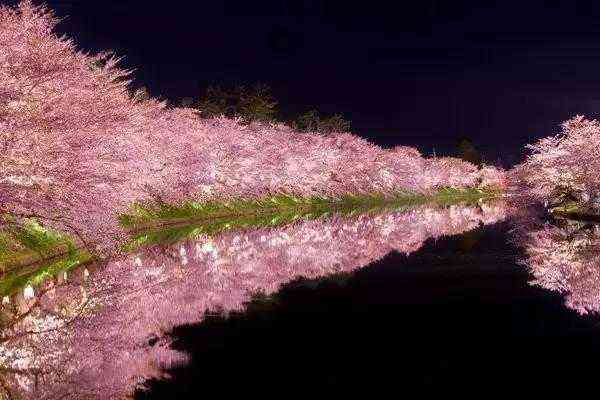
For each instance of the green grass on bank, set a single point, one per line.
(30, 253)
(35, 274)
(158, 214)
(161, 223)
(22, 244)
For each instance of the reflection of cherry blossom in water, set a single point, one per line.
(564, 259)
(121, 315)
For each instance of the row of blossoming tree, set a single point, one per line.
(77, 149)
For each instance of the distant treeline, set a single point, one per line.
(255, 103)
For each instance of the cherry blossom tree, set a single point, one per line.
(77, 148)
(564, 165)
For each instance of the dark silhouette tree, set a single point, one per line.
(255, 103)
(311, 121)
(468, 152)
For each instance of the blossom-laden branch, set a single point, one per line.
(564, 167)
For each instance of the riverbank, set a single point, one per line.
(31, 254)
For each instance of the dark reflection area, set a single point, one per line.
(451, 299)
(455, 316)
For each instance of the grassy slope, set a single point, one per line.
(30, 254)
(163, 223)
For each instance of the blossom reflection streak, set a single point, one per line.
(564, 257)
(104, 336)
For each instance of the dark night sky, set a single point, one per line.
(419, 74)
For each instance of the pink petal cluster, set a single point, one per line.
(495, 177)
(451, 172)
(568, 162)
(104, 351)
(76, 148)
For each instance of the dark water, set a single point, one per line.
(468, 300)
(457, 316)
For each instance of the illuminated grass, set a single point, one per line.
(25, 243)
(159, 214)
(37, 273)
(30, 254)
(163, 223)
(155, 214)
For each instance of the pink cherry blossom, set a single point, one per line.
(77, 148)
(565, 163)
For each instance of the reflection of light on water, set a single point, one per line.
(108, 320)
(183, 255)
(28, 292)
(206, 248)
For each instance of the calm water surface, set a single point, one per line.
(437, 300)
(458, 316)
